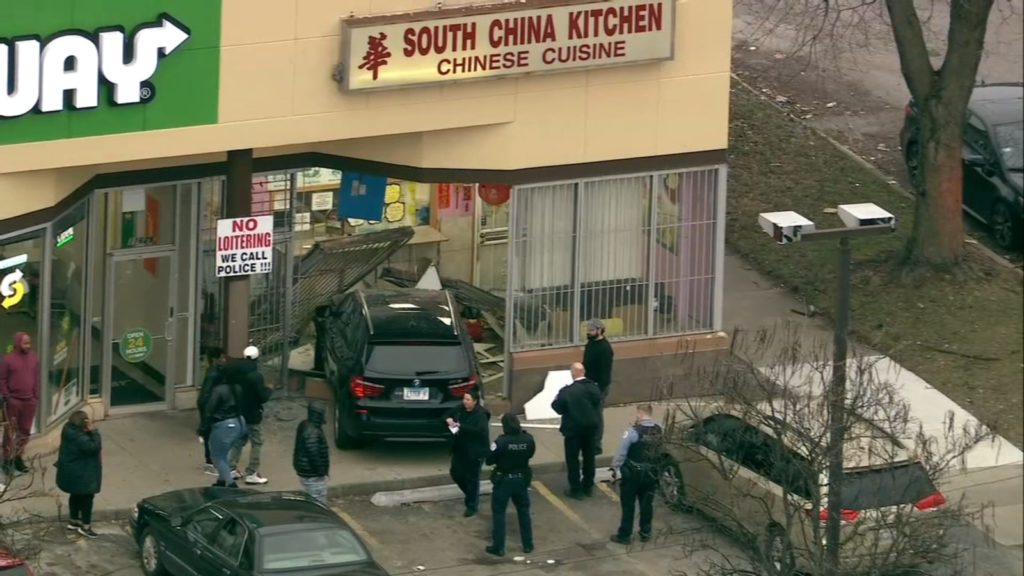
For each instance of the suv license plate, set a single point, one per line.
(416, 393)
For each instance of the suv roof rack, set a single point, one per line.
(366, 310)
(451, 310)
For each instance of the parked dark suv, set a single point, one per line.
(992, 156)
(397, 359)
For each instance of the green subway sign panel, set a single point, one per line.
(77, 68)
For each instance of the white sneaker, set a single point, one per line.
(255, 478)
(235, 474)
(209, 469)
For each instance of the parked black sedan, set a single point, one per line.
(232, 532)
(993, 156)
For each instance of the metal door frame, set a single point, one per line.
(113, 258)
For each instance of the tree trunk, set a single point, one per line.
(938, 231)
(937, 238)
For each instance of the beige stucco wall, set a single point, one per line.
(277, 93)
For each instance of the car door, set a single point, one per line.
(226, 549)
(184, 550)
(706, 469)
(980, 169)
(752, 494)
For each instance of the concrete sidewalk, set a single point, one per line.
(147, 454)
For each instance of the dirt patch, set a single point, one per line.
(843, 109)
(962, 333)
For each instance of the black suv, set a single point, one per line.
(992, 155)
(398, 361)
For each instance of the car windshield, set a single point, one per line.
(881, 488)
(320, 547)
(408, 360)
(1010, 142)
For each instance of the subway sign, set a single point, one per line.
(65, 71)
(96, 67)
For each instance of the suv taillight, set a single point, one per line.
(845, 516)
(931, 502)
(362, 389)
(460, 390)
(908, 110)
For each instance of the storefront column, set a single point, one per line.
(238, 204)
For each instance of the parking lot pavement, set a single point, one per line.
(571, 538)
(572, 535)
(434, 538)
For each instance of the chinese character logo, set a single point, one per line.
(377, 54)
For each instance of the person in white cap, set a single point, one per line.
(255, 393)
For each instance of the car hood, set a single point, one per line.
(181, 501)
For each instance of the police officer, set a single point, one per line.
(637, 463)
(510, 454)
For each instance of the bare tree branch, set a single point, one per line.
(968, 24)
(913, 51)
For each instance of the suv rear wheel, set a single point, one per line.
(345, 439)
(1005, 228)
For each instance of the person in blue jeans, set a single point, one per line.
(222, 423)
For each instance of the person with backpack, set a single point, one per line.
(637, 464)
(311, 458)
(214, 372)
(255, 394)
(223, 424)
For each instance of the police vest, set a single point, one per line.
(515, 456)
(648, 448)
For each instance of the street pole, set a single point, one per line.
(837, 409)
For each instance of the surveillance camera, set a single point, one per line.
(866, 214)
(784, 227)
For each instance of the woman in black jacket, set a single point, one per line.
(311, 458)
(80, 470)
(469, 423)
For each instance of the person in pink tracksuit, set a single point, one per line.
(19, 388)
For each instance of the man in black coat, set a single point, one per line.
(246, 374)
(597, 363)
(579, 404)
(311, 458)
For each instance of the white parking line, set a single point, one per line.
(363, 533)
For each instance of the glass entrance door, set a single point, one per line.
(139, 329)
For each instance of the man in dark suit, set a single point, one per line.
(579, 404)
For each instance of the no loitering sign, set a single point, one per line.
(245, 246)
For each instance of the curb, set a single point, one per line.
(334, 491)
(992, 255)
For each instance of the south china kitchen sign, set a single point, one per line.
(495, 41)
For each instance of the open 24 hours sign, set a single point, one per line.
(245, 246)
(492, 41)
